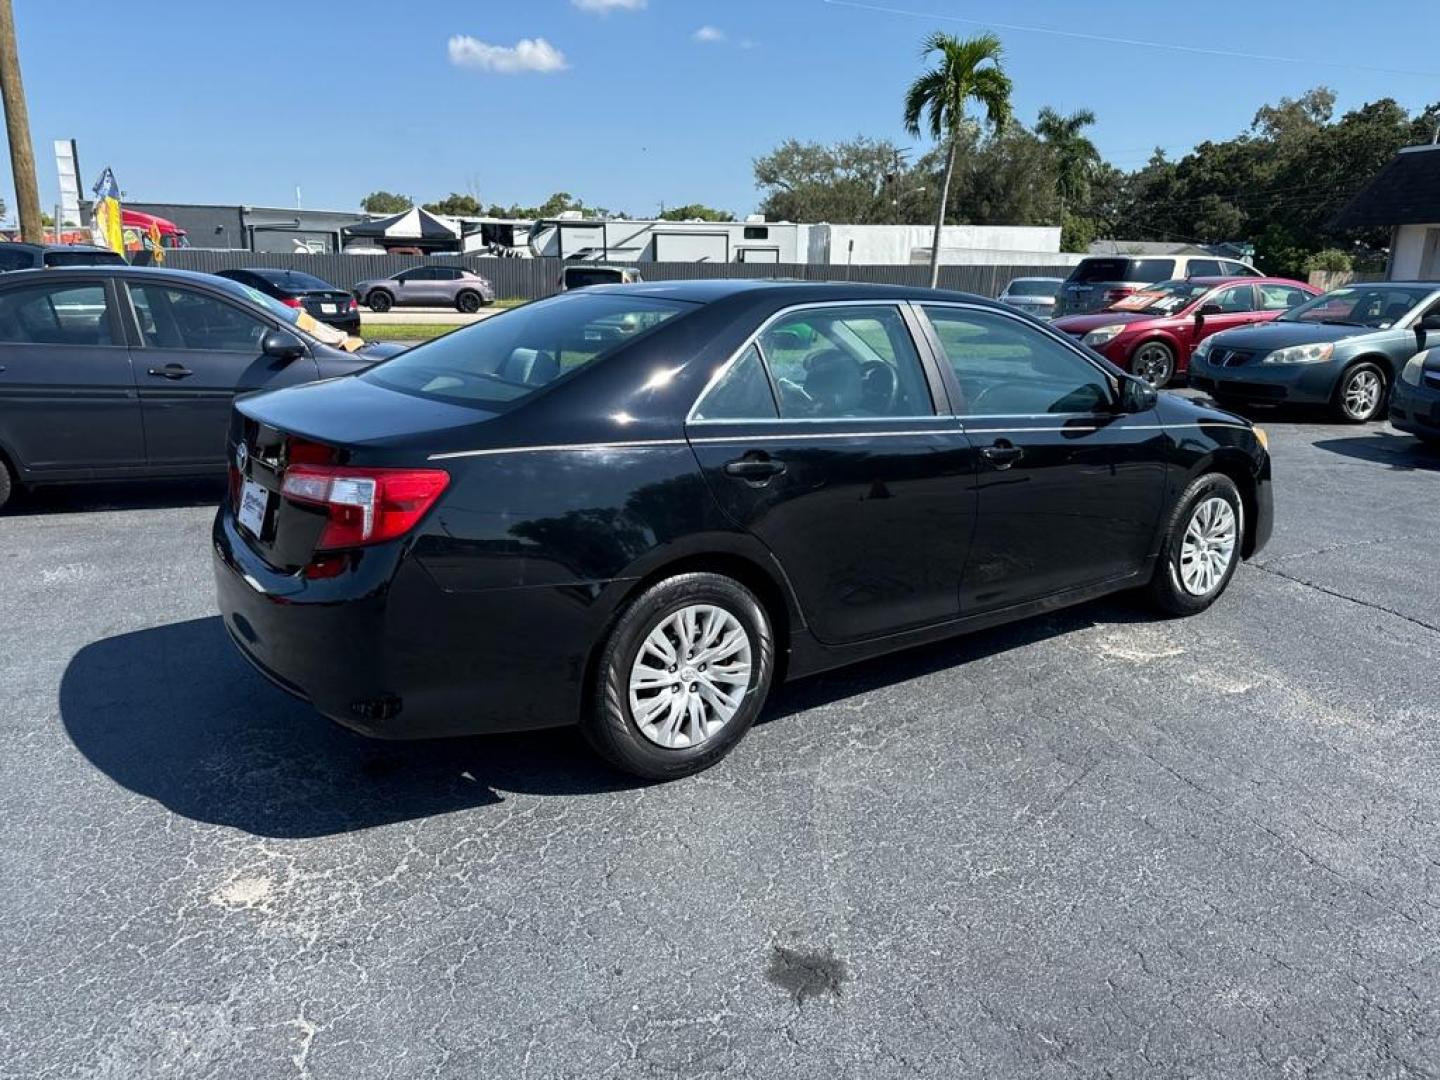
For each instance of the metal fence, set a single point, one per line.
(531, 279)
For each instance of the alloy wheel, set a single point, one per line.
(690, 676)
(1153, 363)
(1361, 395)
(1208, 546)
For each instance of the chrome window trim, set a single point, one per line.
(809, 305)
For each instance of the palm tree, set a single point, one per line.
(1076, 158)
(969, 69)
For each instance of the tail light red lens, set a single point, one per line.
(366, 506)
(354, 305)
(292, 301)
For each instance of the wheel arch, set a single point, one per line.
(1240, 468)
(760, 574)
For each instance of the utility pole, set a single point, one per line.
(17, 128)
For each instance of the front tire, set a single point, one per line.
(1203, 541)
(1361, 394)
(681, 677)
(379, 301)
(7, 484)
(1154, 362)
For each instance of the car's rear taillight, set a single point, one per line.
(354, 305)
(366, 506)
(292, 301)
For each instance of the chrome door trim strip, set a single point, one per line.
(500, 450)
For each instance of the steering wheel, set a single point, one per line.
(881, 387)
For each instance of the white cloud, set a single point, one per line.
(527, 54)
(604, 7)
(709, 35)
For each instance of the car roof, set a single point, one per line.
(112, 270)
(52, 247)
(700, 291)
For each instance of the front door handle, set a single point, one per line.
(755, 469)
(172, 371)
(1003, 454)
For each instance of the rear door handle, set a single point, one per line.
(1003, 454)
(754, 469)
(172, 371)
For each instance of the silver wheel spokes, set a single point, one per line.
(1362, 393)
(1208, 546)
(1153, 365)
(690, 676)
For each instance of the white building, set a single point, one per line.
(1404, 197)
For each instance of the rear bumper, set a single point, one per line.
(383, 650)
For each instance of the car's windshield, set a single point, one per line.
(1375, 306)
(1165, 298)
(255, 296)
(1032, 287)
(499, 362)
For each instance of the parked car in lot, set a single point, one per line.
(639, 507)
(583, 275)
(1100, 280)
(120, 371)
(18, 256)
(427, 286)
(1033, 295)
(1343, 349)
(297, 289)
(1151, 333)
(1415, 398)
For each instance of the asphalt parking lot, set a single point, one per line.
(1093, 844)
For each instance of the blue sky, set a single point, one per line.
(634, 102)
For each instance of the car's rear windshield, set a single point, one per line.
(1123, 270)
(505, 359)
(578, 279)
(1033, 288)
(295, 280)
(83, 258)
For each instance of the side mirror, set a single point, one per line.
(1209, 309)
(1137, 395)
(1430, 323)
(282, 345)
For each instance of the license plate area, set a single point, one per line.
(254, 502)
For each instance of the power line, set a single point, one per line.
(1132, 42)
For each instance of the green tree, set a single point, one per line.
(385, 202)
(858, 181)
(1076, 159)
(696, 212)
(968, 69)
(456, 205)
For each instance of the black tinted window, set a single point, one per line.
(16, 260)
(503, 360)
(293, 280)
(1007, 368)
(741, 393)
(55, 315)
(83, 258)
(1204, 268)
(1099, 270)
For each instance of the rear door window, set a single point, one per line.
(1204, 268)
(70, 314)
(848, 361)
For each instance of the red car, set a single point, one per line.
(1151, 333)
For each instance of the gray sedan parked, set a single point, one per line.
(1033, 295)
(427, 286)
(1345, 349)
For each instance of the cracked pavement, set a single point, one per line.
(1091, 844)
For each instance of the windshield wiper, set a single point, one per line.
(1339, 322)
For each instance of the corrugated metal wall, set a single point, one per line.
(531, 279)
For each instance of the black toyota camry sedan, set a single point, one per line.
(639, 507)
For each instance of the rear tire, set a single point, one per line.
(467, 303)
(1361, 394)
(380, 301)
(1203, 540)
(681, 677)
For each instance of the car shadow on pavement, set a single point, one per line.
(1403, 453)
(174, 714)
(119, 495)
